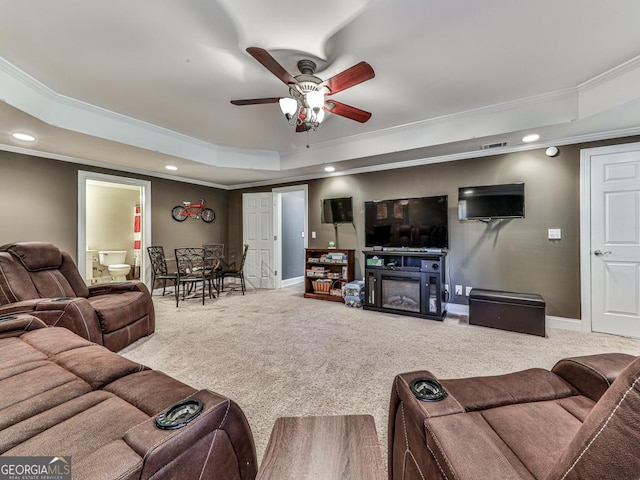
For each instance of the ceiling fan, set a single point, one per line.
(307, 102)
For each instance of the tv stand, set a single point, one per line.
(406, 282)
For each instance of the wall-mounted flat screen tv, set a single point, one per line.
(491, 201)
(337, 210)
(409, 222)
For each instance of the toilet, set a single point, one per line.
(91, 261)
(114, 261)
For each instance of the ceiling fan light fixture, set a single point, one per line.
(315, 100)
(306, 104)
(289, 106)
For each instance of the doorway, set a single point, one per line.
(117, 228)
(610, 238)
(290, 220)
(274, 225)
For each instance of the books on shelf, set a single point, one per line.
(331, 257)
(317, 272)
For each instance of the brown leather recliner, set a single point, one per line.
(40, 279)
(581, 420)
(61, 395)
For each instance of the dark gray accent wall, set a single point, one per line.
(513, 255)
(40, 198)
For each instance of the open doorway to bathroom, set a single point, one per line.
(113, 219)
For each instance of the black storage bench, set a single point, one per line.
(516, 312)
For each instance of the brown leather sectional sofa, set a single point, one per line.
(579, 421)
(40, 279)
(65, 396)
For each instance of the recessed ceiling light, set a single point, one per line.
(329, 169)
(25, 137)
(171, 167)
(532, 137)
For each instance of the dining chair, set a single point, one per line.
(228, 271)
(214, 255)
(190, 262)
(159, 270)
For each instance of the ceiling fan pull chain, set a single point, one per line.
(307, 138)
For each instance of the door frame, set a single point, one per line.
(585, 224)
(277, 228)
(145, 209)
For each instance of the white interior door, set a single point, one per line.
(615, 242)
(257, 232)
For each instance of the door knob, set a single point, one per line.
(601, 253)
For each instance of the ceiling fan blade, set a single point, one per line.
(256, 101)
(347, 111)
(271, 64)
(359, 73)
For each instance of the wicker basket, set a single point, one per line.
(336, 288)
(322, 286)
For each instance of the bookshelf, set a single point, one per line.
(326, 270)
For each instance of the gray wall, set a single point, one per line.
(507, 255)
(40, 197)
(504, 254)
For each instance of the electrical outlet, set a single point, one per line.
(313, 234)
(468, 291)
(458, 289)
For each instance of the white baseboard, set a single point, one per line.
(574, 324)
(457, 308)
(292, 281)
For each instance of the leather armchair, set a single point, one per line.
(40, 279)
(581, 420)
(64, 396)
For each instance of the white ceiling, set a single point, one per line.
(140, 84)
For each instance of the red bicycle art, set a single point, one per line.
(194, 210)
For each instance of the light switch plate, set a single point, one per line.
(458, 289)
(554, 234)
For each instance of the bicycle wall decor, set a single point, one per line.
(194, 210)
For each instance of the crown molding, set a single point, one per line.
(25, 93)
(108, 166)
(611, 74)
(592, 137)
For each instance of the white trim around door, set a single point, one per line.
(586, 156)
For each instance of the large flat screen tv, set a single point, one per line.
(491, 201)
(337, 210)
(409, 222)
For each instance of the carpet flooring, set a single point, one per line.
(278, 354)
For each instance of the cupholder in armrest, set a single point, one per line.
(6, 318)
(179, 415)
(428, 390)
(61, 299)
